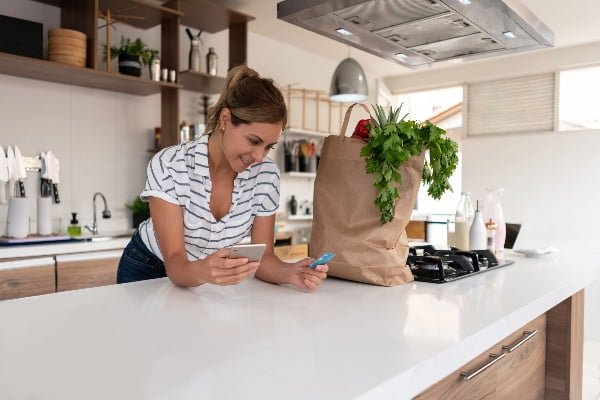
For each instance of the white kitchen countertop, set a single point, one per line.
(153, 340)
(49, 249)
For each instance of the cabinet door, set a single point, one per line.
(85, 270)
(515, 371)
(27, 277)
(474, 381)
(522, 374)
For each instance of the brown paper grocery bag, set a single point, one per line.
(346, 222)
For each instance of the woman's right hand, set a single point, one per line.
(218, 269)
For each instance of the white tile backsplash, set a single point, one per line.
(101, 138)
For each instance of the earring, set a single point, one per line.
(222, 129)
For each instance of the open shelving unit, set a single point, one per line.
(82, 15)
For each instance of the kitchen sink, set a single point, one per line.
(102, 236)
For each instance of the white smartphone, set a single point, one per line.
(253, 252)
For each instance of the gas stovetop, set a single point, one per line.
(440, 266)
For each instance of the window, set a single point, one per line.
(444, 108)
(579, 99)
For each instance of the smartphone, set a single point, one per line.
(253, 252)
(323, 259)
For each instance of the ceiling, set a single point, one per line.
(572, 23)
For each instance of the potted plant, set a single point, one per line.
(390, 141)
(141, 211)
(132, 54)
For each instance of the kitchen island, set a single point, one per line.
(153, 340)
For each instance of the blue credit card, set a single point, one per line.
(323, 259)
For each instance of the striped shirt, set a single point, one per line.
(180, 175)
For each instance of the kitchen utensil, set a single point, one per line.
(12, 171)
(194, 54)
(3, 176)
(18, 217)
(45, 182)
(44, 215)
(54, 171)
(22, 173)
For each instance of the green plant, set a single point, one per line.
(134, 48)
(392, 142)
(139, 206)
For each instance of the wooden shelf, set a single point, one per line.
(44, 70)
(151, 13)
(304, 132)
(300, 217)
(201, 82)
(310, 175)
(146, 13)
(210, 16)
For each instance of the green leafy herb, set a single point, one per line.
(392, 142)
(134, 48)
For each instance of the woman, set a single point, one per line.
(206, 195)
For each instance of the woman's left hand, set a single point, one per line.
(307, 278)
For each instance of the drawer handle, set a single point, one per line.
(526, 336)
(467, 376)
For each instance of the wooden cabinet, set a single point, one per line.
(293, 252)
(416, 230)
(85, 270)
(27, 277)
(82, 15)
(512, 369)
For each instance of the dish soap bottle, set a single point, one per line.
(477, 233)
(74, 228)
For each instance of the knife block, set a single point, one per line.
(44, 215)
(18, 217)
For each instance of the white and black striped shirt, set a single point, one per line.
(179, 175)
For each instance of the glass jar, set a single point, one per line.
(493, 211)
(462, 221)
(155, 69)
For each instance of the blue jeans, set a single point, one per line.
(138, 263)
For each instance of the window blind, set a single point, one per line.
(515, 105)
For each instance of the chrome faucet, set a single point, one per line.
(105, 214)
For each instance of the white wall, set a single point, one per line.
(101, 137)
(549, 178)
(550, 188)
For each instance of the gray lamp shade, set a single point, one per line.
(349, 83)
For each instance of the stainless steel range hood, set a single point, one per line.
(416, 33)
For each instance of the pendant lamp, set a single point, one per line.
(349, 83)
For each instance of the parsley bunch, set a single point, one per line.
(391, 142)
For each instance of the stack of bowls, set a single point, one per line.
(67, 46)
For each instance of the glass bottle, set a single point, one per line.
(493, 211)
(293, 204)
(212, 61)
(194, 56)
(462, 221)
(490, 228)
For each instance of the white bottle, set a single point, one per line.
(477, 233)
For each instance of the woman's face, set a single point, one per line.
(246, 144)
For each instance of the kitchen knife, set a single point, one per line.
(12, 171)
(3, 176)
(45, 182)
(21, 172)
(54, 168)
